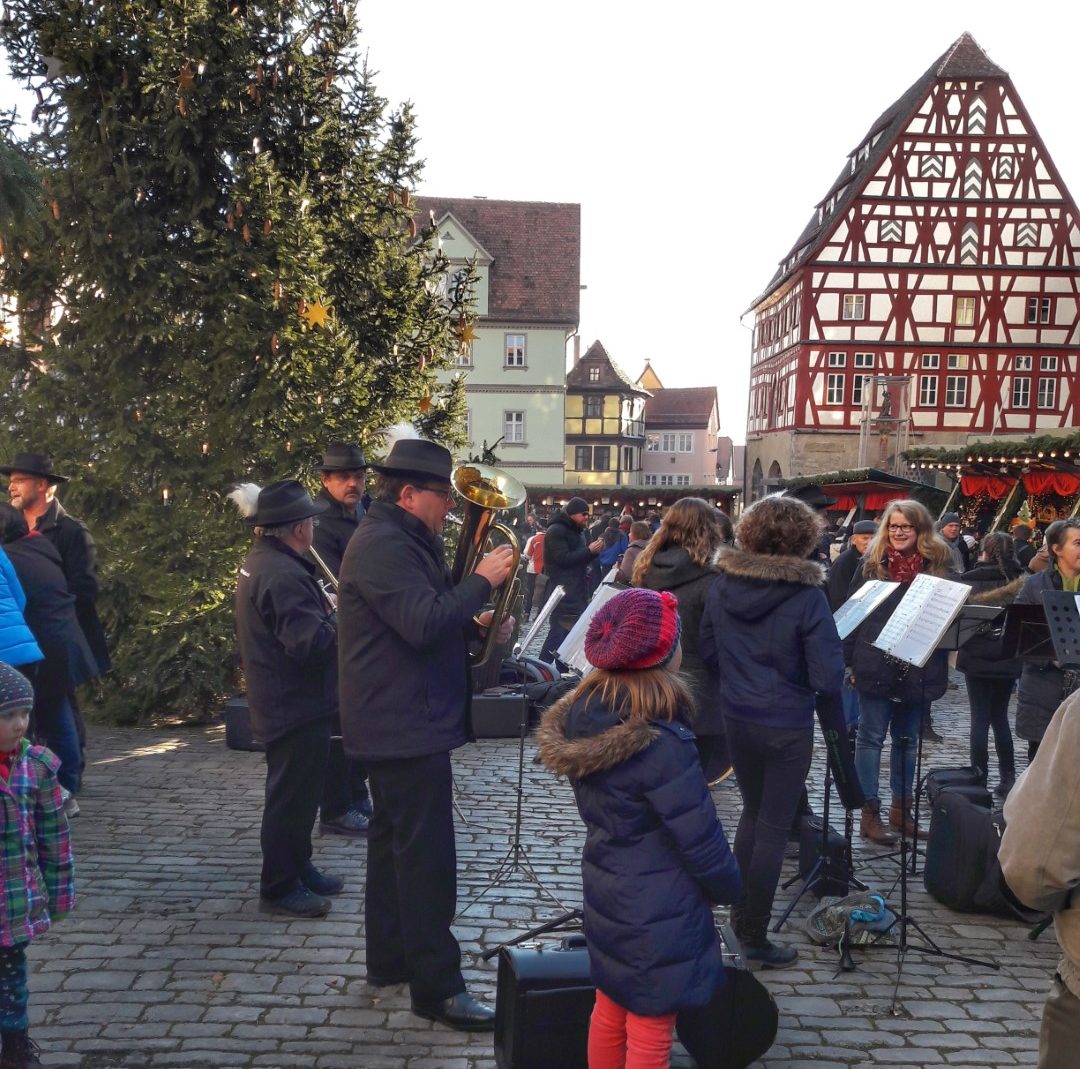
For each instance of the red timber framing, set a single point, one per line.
(948, 250)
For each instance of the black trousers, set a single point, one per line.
(411, 892)
(770, 766)
(346, 782)
(989, 701)
(558, 628)
(295, 773)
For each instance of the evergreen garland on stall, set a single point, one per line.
(230, 276)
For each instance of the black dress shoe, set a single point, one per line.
(462, 1012)
(321, 883)
(299, 902)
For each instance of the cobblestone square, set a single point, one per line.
(167, 962)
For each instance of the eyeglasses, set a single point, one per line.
(446, 495)
(900, 528)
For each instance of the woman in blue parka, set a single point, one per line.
(17, 645)
(655, 856)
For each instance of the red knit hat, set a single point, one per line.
(635, 629)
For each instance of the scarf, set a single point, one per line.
(903, 569)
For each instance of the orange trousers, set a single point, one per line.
(619, 1039)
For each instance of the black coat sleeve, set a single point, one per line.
(293, 608)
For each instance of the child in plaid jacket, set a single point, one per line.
(37, 872)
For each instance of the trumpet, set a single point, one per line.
(485, 490)
(324, 568)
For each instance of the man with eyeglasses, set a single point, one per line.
(405, 687)
(343, 474)
(287, 632)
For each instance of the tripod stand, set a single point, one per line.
(904, 919)
(516, 858)
(825, 867)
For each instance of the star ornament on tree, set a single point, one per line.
(186, 78)
(466, 333)
(316, 314)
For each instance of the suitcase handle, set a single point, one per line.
(573, 942)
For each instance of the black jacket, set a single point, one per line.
(288, 640)
(983, 654)
(403, 643)
(336, 527)
(840, 576)
(566, 556)
(1043, 684)
(78, 553)
(672, 569)
(655, 855)
(50, 615)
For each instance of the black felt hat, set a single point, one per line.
(36, 464)
(414, 456)
(284, 502)
(342, 456)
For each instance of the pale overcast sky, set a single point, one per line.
(697, 138)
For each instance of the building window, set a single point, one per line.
(651, 480)
(582, 457)
(957, 362)
(677, 443)
(864, 360)
(1038, 309)
(594, 407)
(515, 351)
(928, 391)
(1047, 393)
(594, 374)
(834, 390)
(601, 456)
(854, 306)
(858, 386)
(965, 312)
(837, 359)
(1048, 363)
(652, 443)
(1021, 392)
(513, 427)
(628, 458)
(682, 480)
(464, 359)
(931, 361)
(1022, 363)
(956, 391)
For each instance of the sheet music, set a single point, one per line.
(542, 617)
(913, 632)
(861, 604)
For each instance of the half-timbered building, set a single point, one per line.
(933, 296)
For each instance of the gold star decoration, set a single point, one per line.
(186, 78)
(316, 314)
(466, 333)
(425, 405)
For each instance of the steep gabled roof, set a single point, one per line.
(964, 59)
(535, 250)
(648, 379)
(612, 377)
(689, 407)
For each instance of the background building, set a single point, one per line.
(682, 428)
(933, 295)
(528, 257)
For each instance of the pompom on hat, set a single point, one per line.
(15, 690)
(636, 629)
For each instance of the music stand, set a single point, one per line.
(516, 858)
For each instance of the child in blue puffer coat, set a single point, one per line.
(655, 856)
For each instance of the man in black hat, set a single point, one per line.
(843, 569)
(567, 557)
(343, 473)
(405, 685)
(32, 484)
(287, 632)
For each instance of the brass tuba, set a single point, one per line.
(484, 490)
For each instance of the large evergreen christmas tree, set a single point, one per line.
(230, 277)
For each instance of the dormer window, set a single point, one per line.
(594, 374)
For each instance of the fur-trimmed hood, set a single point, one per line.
(598, 740)
(765, 567)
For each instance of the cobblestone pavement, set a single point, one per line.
(167, 963)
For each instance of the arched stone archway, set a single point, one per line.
(757, 481)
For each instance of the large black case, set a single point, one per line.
(542, 1006)
(832, 883)
(238, 733)
(968, 781)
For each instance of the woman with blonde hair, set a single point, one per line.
(679, 558)
(893, 695)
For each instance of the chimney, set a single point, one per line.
(577, 349)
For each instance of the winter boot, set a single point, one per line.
(19, 1051)
(900, 817)
(871, 828)
(757, 947)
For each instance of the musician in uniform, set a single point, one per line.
(405, 696)
(343, 473)
(287, 630)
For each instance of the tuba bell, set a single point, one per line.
(485, 490)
